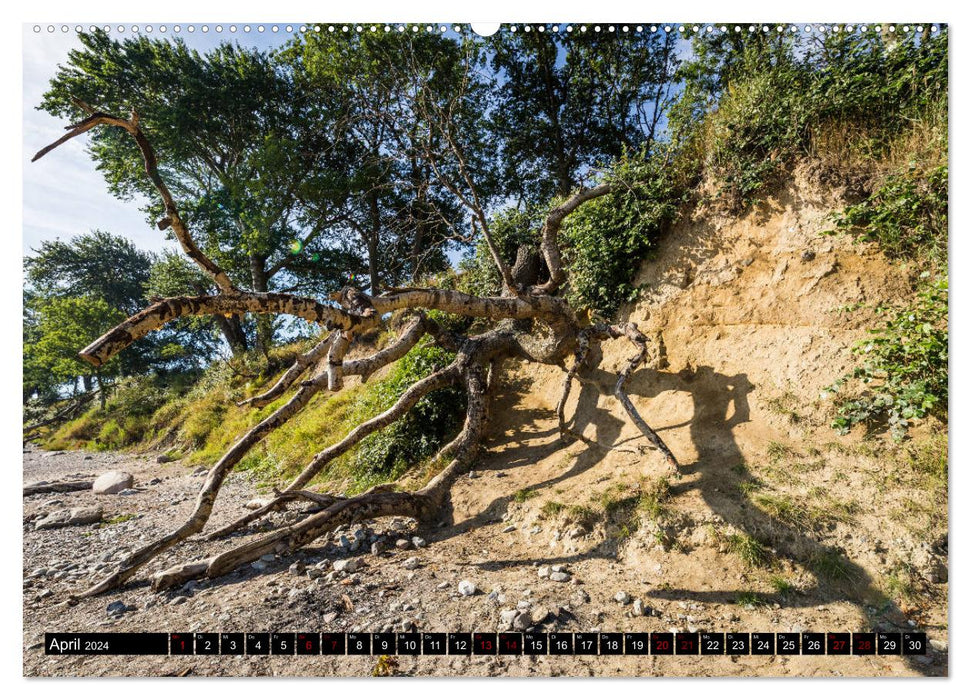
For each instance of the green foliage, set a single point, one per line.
(904, 366)
(752, 105)
(60, 327)
(568, 102)
(386, 455)
(607, 238)
(748, 549)
(906, 216)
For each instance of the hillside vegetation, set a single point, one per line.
(868, 118)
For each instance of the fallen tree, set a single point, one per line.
(530, 321)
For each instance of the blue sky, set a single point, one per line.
(64, 195)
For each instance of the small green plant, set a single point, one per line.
(748, 549)
(777, 451)
(899, 584)
(904, 372)
(830, 564)
(523, 495)
(781, 585)
(750, 598)
(785, 509)
(906, 216)
(551, 509)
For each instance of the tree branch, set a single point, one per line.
(172, 217)
(549, 245)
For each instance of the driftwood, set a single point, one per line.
(57, 487)
(529, 321)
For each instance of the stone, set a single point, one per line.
(154, 482)
(442, 586)
(539, 614)
(638, 609)
(508, 615)
(178, 600)
(68, 517)
(522, 621)
(581, 596)
(113, 482)
(560, 576)
(258, 565)
(467, 588)
(622, 597)
(411, 563)
(419, 542)
(509, 528)
(544, 572)
(163, 459)
(347, 565)
(557, 568)
(402, 544)
(378, 547)
(257, 503)
(116, 608)
(128, 492)
(297, 568)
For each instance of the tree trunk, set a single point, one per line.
(373, 236)
(232, 330)
(264, 324)
(102, 395)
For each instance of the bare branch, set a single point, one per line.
(299, 366)
(549, 245)
(166, 310)
(172, 217)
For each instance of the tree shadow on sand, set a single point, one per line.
(720, 404)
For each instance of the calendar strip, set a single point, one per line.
(489, 643)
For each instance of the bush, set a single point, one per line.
(906, 216)
(904, 369)
(435, 419)
(607, 238)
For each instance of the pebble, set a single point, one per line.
(467, 588)
(622, 597)
(411, 563)
(418, 542)
(639, 608)
(116, 608)
(509, 528)
(560, 576)
(178, 600)
(403, 544)
(544, 572)
(346, 565)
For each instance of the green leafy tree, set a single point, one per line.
(387, 88)
(234, 140)
(57, 326)
(570, 102)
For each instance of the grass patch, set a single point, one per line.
(752, 552)
(831, 565)
(781, 585)
(750, 598)
(786, 510)
(551, 509)
(523, 495)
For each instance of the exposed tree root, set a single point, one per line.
(529, 322)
